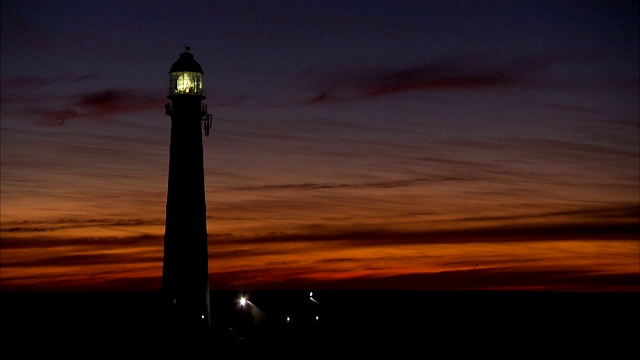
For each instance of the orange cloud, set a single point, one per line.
(556, 258)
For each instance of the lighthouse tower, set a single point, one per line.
(185, 268)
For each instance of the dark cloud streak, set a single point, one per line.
(67, 224)
(22, 82)
(466, 72)
(489, 234)
(98, 106)
(52, 242)
(485, 278)
(370, 185)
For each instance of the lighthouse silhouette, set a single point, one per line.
(185, 268)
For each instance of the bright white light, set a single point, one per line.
(203, 316)
(317, 318)
(288, 319)
(243, 301)
(310, 293)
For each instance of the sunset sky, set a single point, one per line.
(355, 144)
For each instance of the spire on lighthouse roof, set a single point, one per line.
(186, 63)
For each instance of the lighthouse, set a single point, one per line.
(185, 268)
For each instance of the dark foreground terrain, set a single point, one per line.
(368, 323)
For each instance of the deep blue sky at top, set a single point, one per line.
(331, 93)
(253, 43)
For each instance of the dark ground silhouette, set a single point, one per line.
(433, 322)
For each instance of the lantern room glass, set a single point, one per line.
(185, 83)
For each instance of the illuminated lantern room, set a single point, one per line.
(185, 76)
